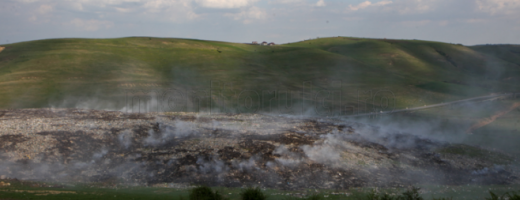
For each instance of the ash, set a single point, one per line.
(72, 145)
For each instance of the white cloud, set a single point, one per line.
(177, 11)
(44, 9)
(367, 4)
(124, 10)
(253, 13)
(418, 6)
(320, 3)
(286, 1)
(103, 3)
(225, 3)
(91, 25)
(28, 1)
(499, 6)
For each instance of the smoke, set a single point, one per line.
(215, 165)
(287, 158)
(97, 169)
(247, 166)
(321, 154)
(241, 148)
(167, 133)
(125, 138)
(487, 171)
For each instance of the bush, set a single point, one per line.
(252, 194)
(411, 194)
(376, 196)
(314, 197)
(204, 193)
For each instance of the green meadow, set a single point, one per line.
(336, 70)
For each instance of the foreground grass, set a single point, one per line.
(33, 190)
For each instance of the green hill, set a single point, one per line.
(69, 72)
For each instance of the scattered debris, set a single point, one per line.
(226, 150)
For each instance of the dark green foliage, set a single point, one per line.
(411, 194)
(386, 197)
(314, 197)
(513, 196)
(373, 195)
(493, 196)
(442, 198)
(204, 193)
(253, 194)
(508, 196)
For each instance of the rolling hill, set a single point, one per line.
(336, 71)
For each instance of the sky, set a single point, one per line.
(468, 22)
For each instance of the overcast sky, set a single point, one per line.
(456, 21)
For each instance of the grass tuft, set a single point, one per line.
(204, 193)
(253, 194)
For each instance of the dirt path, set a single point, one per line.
(481, 98)
(489, 120)
(1, 49)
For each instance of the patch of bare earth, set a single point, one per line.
(225, 150)
(483, 122)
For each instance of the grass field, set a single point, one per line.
(42, 191)
(67, 72)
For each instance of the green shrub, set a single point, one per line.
(252, 194)
(314, 197)
(204, 193)
(386, 197)
(373, 195)
(411, 194)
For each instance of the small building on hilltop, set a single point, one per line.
(264, 43)
(271, 44)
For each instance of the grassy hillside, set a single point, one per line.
(70, 72)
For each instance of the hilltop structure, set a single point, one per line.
(264, 43)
